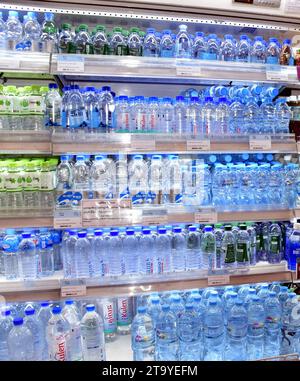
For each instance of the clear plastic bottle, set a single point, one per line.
(286, 53)
(122, 114)
(20, 342)
(64, 174)
(212, 47)
(180, 112)
(82, 40)
(151, 44)
(45, 253)
(6, 325)
(213, 325)
(275, 254)
(243, 49)
(193, 117)
(124, 315)
(179, 248)
(99, 40)
(76, 115)
(57, 334)
(28, 257)
(228, 48)
(166, 336)
(13, 185)
(32, 32)
(109, 312)
(243, 249)
(258, 50)
(106, 109)
(3, 34)
(65, 40)
(273, 52)
(208, 113)
(53, 106)
(14, 30)
(256, 324)
(31, 195)
(35, 326)
(199, 46)
(130, 252)
(193, 255)
(81, 175)
(44, 314)
(222, 117)
(268, 116)
(71, 315)
(152, 116)
(163, 252)
(10, 255)
(135, 43)
(167, 117)
(272, 325)
(167, 44)
(236, 116)
(142, 336)
(183, 47)
(49, 34)
(138, 179)
(146, 257)
(283, 116)
(228, 250)
(82, 255)
(208, 249)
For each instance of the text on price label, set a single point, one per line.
(70, 64)
(260, 143)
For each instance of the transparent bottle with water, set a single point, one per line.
(130, 252)
(199, 46)
(228, 48)
(45, 253)
(28, 257)
(14, 30)
(167, 44)
(83, 252)
(151, 44)
(243, 249)
(228, 250)
(272, 52)
(255, 332)
(179, 248)
(212, 47)
(20, 342)
(283, 116)
(152, 116)
(6, 325)
(32, 32)
(167, 344)
(208, 115)
(49, 34)
(99, 40)
(258, 50)
(11, 255)
(71, 315)
(122, 114)
(208, 249)
(146, 257)
(193, 117)
(142, 336)
(272, 325)
(243, 49)
(57, 334)
(3, 33)
(76, 115)
(213, 326)
(35, 326)
(183, 43)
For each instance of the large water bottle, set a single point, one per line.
(212, 47)
(53, 105)
(10, 254)
(163, 252)
(3, 34)
(65, 39)
(181, 114)
(178, 250)
(155, 180)
(71, 315)
(243, 49)
(45, 253)
(193, 254)
(32, 32)
(130, 252)
(91, 108)
(243, 249)
(213, 332)
(208, 249)
(290, 325)
(154, 309)
(146, 257)
(138, 112)
(82, 255)
(183, 45)
(82, 40)
(268, 116)
(44, 314)
(76, 115)
(176, 305)
(208, 115)
(189, 335)
(258, 50)
(228, 255)
(81, 174)
(49, 34)
(272, 52)
(193, 117)
(167, 116)
(272, 325)
(35, 326)
(236, 116)
(283, 116)
(6, 325)
(166, 336)
(253, 117)
(28, 257)
(138, 179)
(255, 335)
(99, 260)
(14, 30)
(20, 342)
(57, 334)
(275, 254)
(151, 44)
(228, 48)
(116, 265)
(122, 114)
(142, 336)
(68, 253)
(237, 324)
(108, 310)
(222, 117)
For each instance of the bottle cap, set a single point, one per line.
(69, 302)
(56, 310)
(166, 308)
(114, 233)
(18, 321)
(90, 307)
(29, 311)
(141, 309)
(81, 234)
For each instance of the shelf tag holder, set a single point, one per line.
(276, 73)
(67, 218)
(218, 280)
(260, 142)
(187, 71)
(70, 63)
(198, 145)
(72, 288)
(154, 216)
(206, 216)
(141, 144)
(9, 63)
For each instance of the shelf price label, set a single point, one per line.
(67, 218)
(260, 142)
(276, 73)
(106, 212)
(70, 64)
(73, 287)
(188, 71)
(198, 145)
(154, 217)
(8, 63)
(218, 280)
(139, 145)
(206, 216)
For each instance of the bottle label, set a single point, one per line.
(272, 60)
(64, 119)
(10, 246)
(47, 181)
(242, 252)
(32, 180)
(140, 121)
(58, 348)
(124, 312)
(13, 181)
(149, 265)
(109, 317)
(275, 244)
(92, 343)
(138, 198)
(229, 253)
(35, 105)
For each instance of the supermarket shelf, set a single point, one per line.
(26, 218)
(25, 142)
(167, 70)
(80, 142)
(50, 288)
(25, 62)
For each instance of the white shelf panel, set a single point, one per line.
(25, 62)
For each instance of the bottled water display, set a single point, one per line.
(27, 183)
(225, 182)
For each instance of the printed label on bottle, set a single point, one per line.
(124, 312)
(13, 181)
(58, 348)
(242, 252)
(47, 181)
(32, 180)
(272, 60)
(140, 121)
(229, 253)
(149, 266)
(109, 317)
(92, 343)
(275, 244)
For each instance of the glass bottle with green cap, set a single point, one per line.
(32, 184)
(13, 185)
(99, 40)
(228, 250)
(134, 42)
(82, 41)
(65, 39)
(243, 248)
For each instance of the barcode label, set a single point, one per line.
(70, 64)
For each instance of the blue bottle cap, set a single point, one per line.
(287, 41)
(81, 234)
(129, 232)
(90, 307)
(114, 233)
(69, 302)
(208, 99)
(177, 230)
(166, 308)
(106, 88)
(141, 309)
(243, 37)
(162, 230)
(192, 228)
(212, 302)
(146, 231)
(29, 311)
(189, 307)
(272, 293)
(258, 38)
(26, 235)
(98, 232)
(18, 321)
(13, 14)
(155, 300)
(194, 99)
(90, 88)
(53, 86)
(45, 304)
(6, 312)
(56, 310)
(208, 228)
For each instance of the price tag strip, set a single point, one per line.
(67, 218)
(73, 287)
(106, 212)
(10, 64)
(70, 64)
(155, 217)
(260, 143)
(276, 73)
(198, 145)
(140, 145)
(188, 71)
(218, 280)
(206, 216)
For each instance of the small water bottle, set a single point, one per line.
(273, 52)
(243, 49)
(183, 43)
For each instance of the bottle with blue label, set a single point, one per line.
(167, 44)
(294, 247)
(199, 46)
(273, 52)
(11, 255)
(212, 47)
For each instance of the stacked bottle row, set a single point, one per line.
(27, 183)
(235, 324)
(217, 110)
(33, 36)
(228, 182)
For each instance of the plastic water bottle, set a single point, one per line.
(268, 112)
(154, 309)
(130, 252)
(3, 34)
(213, 332)
(99, 40)
(45, 253)
(10, 254)
(57, 333)
(155, 180)
(124, 315)
(138, 179)
(14, 30)
(56, 238)
(71, 315)
(138, 114)
(228, 250)
(49, 34)
(106, 108)
(142, 336)
(92, 334)
(290, 325)
(82, 40)
(167, 117)
(243, 49)
(176, 305)
(208, 249)
(65, 39)
(252, 116)
(212, 47)
(146, 258)
(275, 253)
(273, 52)
(255, 334)
(283, 116)
(183, 43)
(76, 115)
(20, 342)
(236, 116)
(108, 308)
(208, 115)
(91, 108)
(81, 174)
(151, 45)
(283, 296)
(193, 254)
(28, 257)
(153, 115)
(222, 117)
(99, 260)
(243, 249)
(193, 117)
(178, 250)
(32, 32)
(199, 46)
(237, 324)
(35, 326)
(189, 335)
(228, 48)
(82, 255)
(116, 265)
(122, 114)
(167, 44)
(134, 42)
(272, 325)
(6, 325)
(180, 112)
(166, 336)
(163, 252)
(258, 50)
(43, 315)
(68, 248)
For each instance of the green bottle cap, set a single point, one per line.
(141, 33)
(66, 26)
(100, 28)
(117, 29)
(134, 30)
(35, 89)
(125, 33)
(83, 27)
(44, 90)
(11, 89)
(218, 226)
